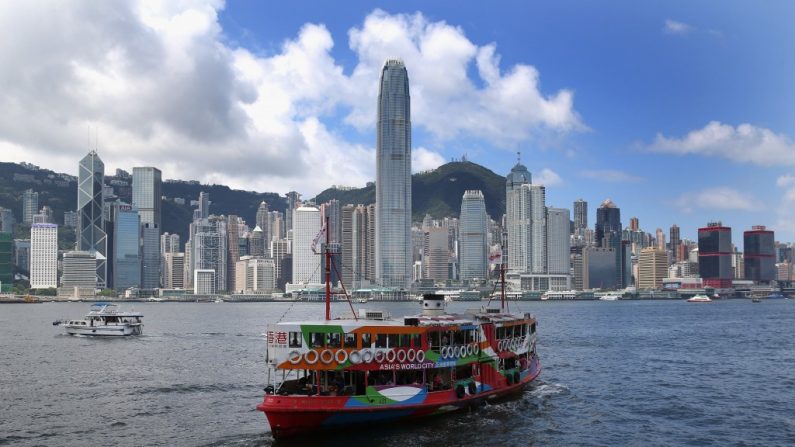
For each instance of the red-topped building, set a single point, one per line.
(715, 255)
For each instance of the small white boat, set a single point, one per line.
(218, 300)
(699, 299)
(103, 319)
(608, 298)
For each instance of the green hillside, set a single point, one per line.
(437, 192)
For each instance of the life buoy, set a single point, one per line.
(459, 391)
(455, 352)
(391, 355)
(473, 389)
(501, 345)
(401, 356)
(344, 356)
(367, 355)
(379, 356)
(420, 356)
(294, 357)
(355, 357)
(314, 358)
(470, 349)
(411, 355)
(476, 349)
(326, 359)
(443, 352)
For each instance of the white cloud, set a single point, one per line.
(676, 27)
(743, 144)
(160, 85)
(785, 180)
(609, 175)
(547, 177)
(718, 198)
(424, 159)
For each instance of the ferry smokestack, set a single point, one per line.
(432, 304)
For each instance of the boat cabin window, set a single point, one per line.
(350, 340)
(405, 341)
(380, 340)
(434, 339)
(459, 338)
(392, 340)
(317, 339)
(415, 341)
(334, 340)
(295, 339)
(533, 328)
(366, 340)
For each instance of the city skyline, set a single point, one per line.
(581, 125)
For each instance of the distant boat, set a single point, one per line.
(608, 298)
(218, 300)
(699, 299)
(104, 319)
(756, 300)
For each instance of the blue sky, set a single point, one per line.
(636, 69)
(681, 112)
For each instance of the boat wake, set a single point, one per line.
(544, 390)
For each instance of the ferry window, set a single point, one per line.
(366, 340)
(295, 339)
(380, 340)
(415, 341)
(334, 340)
(515, 331)
(458, 337)
(445, 338)
(500, 332)
(317, 339)
(392, 340)
(405, 341)
(435, 340)
(533, 329)
(350, 340)
(524, 330)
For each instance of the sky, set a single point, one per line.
(680, 112)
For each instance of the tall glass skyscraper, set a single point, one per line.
(472, 238)
(126, 247)
(91, 232)
(147, 193)
(393, 178)
(517, 219)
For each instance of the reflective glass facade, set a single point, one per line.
(472, 236)
(126, 248)
(91, 220)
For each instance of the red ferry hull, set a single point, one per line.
(294, 415)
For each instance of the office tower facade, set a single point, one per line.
(331, 212)
(6, 262)
(7, 220)
(347, 246)
(147, 193)
(169, 243)
(174, 270)
(204, 205)
(205, 282)
(293, 202)
(393, 178)
(43, 256)
(256, 242)
(276, 227)
(517, 219)
(580, 215)
(79, 271)
(209, 252)
(608, 234)
(371, 243)
(599, 268)
(306, 263)
(126, 253)
(558, 241)
(263, 222)
(634, 224)
(435, 256)
(759, 254)
(715, 255)
(22, 255)
(30, 205)
(652, 268)
(255, 275)
(45, 215)
(282, 261)
(70, 219)
(538, 229)
(150, 255)
(474, 248)
(91, 235)
(675, 243)
(660, 239)
(232, 250)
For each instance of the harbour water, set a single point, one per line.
(615, 373)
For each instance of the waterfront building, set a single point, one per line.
(474, 247)
(150, 255)
(91, 235)
(306, 257)
(660, 239)
(22, 255)
(784, 272)
(608, 234)
(599, 268)
(715, 255)
(652, 268)
(6, 262)
(147, 193)
(169, 243)
(393, 178)
(256, 241)
(558, 242)
(759, 254)
(204, 282)
(580, 215)
(262, 221)
(347, 246)
(280, 252)
(254, 275)
(79, 273)
(126, 252)
(276, 227)
(517, 219)
(43, 256)
(293, 202)
(174, 270)
(30, 205)
(435, 255)
(232, 250)
(209, 252)
(538, 229)
(675, 242)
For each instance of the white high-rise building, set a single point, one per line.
(473, 229)
(517, 219)
(43, 256)
(393, 178)
(204, 282)
(209, 252)
(558, 241)
(306, 263)
(254, 275)
(538, 229)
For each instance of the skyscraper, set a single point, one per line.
(208, 241)
(91, 232)
(474, 248)
(538, 229)
(652, 268)
(608, 235)
(150, 255)
(393, 177)
(558, 241)
(580, 214)
(674, 240)
(43, 256)
(517, 218)
(263, 222)
(233, 251)
(293, 202)
(634, 224)
(715, 255)
(126, 258)
(173, 270)
(6, 262)
(435, 255)
(30, 205)
(759, 254)
(204, 205)
(147, 193)
(306, 263)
